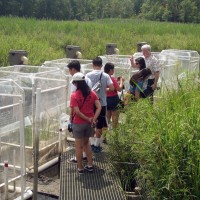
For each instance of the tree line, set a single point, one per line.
(187, 11)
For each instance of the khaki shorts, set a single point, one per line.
(82, 131)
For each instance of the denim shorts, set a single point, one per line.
(112, 103)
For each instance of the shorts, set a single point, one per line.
(102, 120)
(112, 103)
(81, 131)
(148, 91)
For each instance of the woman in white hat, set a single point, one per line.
(82, 102)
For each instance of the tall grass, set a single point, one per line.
(47, 39)
(165, 140)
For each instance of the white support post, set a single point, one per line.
(36, 142)
(22, 149)
(6, 179)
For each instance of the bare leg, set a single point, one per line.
(115, 118)
(108, 114)
(88, 151)
(98, 133)
(79, 152)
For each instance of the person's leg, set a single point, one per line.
(108, 114)
(88, 151)
(127, 98)
(98, 134)
(88, 132)
(115, 118)
(101, 123)
(79, 152)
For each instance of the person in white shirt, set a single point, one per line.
(106, 84)
(153, 64)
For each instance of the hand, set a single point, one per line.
(93, 124)
(90, 119)
(122, 79)
(131, 59)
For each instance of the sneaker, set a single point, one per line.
(81, 171)
(89, 169)
(72, 161)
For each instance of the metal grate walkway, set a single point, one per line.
(101, 184)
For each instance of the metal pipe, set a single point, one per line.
(70, 139)
(48, 164)
(52, 89)
(22, 148)
(14, 168)
(27, 195)
(6, 179)
(10, 95)
(14, 145)
(36, 142)
(24, 60)
(0, 150)
(11, 166)
(9, 106)
(45, 166)
(12, 188)
(59, 150)
(10, 180)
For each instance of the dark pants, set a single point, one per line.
(101, 120)
(148, 92)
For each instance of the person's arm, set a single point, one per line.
(137, 95)
(111, 87)
(121, 84)
(97, 112)
(132, 62)
(80, 114)
(109, 83)
(156, 76)
(71, 114)
(89, 82)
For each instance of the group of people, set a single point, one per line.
(94, 101)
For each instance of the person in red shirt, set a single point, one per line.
(112, 96)
(82, 102)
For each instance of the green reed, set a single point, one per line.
(165, 141)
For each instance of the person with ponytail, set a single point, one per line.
(82, 102)
(137, 85)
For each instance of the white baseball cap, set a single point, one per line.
(78, 77)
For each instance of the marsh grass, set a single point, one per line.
(165, 140)
(47, 39)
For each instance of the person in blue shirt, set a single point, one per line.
(137, 85)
